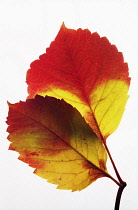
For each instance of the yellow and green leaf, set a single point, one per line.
(52, 137)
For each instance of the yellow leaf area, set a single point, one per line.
(102, 110)
(52, 137)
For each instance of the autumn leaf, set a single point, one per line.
(87, 72)
(77, 95)
(52, 137)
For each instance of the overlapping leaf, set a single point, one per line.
(87, 72)
(51, 136)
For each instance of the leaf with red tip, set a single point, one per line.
(52, 137)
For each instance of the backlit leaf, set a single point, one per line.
(87, 72)
(52, 137)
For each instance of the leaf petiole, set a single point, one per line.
(121, 183)
(113, 164)
(118, 183)
(119, 194)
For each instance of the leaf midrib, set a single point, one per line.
(82, 88)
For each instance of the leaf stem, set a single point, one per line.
(113, 164)
(118, 183)
(119, 194)
(121, 183)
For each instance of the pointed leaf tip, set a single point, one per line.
(63, 25)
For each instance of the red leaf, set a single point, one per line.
(87, 72)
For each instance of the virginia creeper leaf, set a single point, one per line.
(87, 72)
(52, 137)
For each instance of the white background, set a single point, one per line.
(26, 28)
